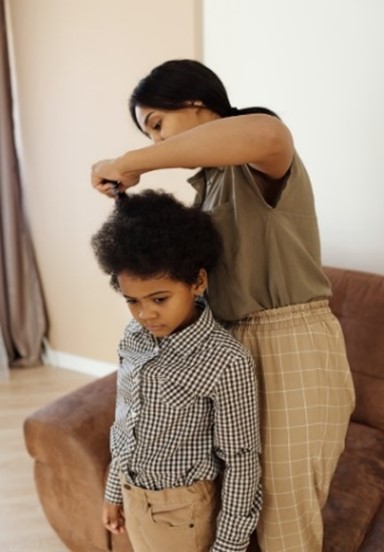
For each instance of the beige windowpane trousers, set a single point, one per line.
(306, 399)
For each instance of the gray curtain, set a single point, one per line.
(23, 322)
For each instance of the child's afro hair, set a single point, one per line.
(152, 234)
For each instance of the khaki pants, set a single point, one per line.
(306, 399)
(180, 519)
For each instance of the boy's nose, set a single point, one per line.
(146, 314)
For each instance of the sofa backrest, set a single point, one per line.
(358, 303)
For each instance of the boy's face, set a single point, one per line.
(162, 305)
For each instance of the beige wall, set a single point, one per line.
(75, 62)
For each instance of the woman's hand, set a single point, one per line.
(113, 518)
(108, 180)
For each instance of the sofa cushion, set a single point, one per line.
(358, 303)
(356, 495)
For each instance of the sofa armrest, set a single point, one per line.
(69, 440)
(76, 424)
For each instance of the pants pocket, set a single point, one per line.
(178, 516)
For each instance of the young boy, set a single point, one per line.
(185, 445)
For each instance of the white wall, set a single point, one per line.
(319, 64)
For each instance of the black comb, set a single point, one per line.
(115, 184)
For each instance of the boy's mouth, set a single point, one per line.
(154, 327)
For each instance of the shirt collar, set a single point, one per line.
(199, 182)
(197, 179)
(184, 342)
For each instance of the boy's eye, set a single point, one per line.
(156, 300)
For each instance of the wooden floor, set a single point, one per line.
(23, 527)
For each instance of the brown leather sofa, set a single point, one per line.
(69, 440)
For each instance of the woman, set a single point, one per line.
(269, 288)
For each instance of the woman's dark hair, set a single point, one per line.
(151, 234)
(175, 82)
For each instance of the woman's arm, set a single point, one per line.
(259, 140)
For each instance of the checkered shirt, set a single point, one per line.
(186, 410)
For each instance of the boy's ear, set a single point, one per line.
(201, 282)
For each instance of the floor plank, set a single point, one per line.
(23, 526)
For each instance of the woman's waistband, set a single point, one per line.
(291, 314)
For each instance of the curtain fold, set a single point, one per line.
(23, 320)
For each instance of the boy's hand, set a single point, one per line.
(113, 518)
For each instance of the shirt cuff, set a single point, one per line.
(220, 545)
(234, 532)
(113, 492)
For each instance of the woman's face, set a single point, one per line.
(160, 124)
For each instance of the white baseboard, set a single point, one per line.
(77, 363)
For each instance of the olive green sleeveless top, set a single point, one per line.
(271, 254)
